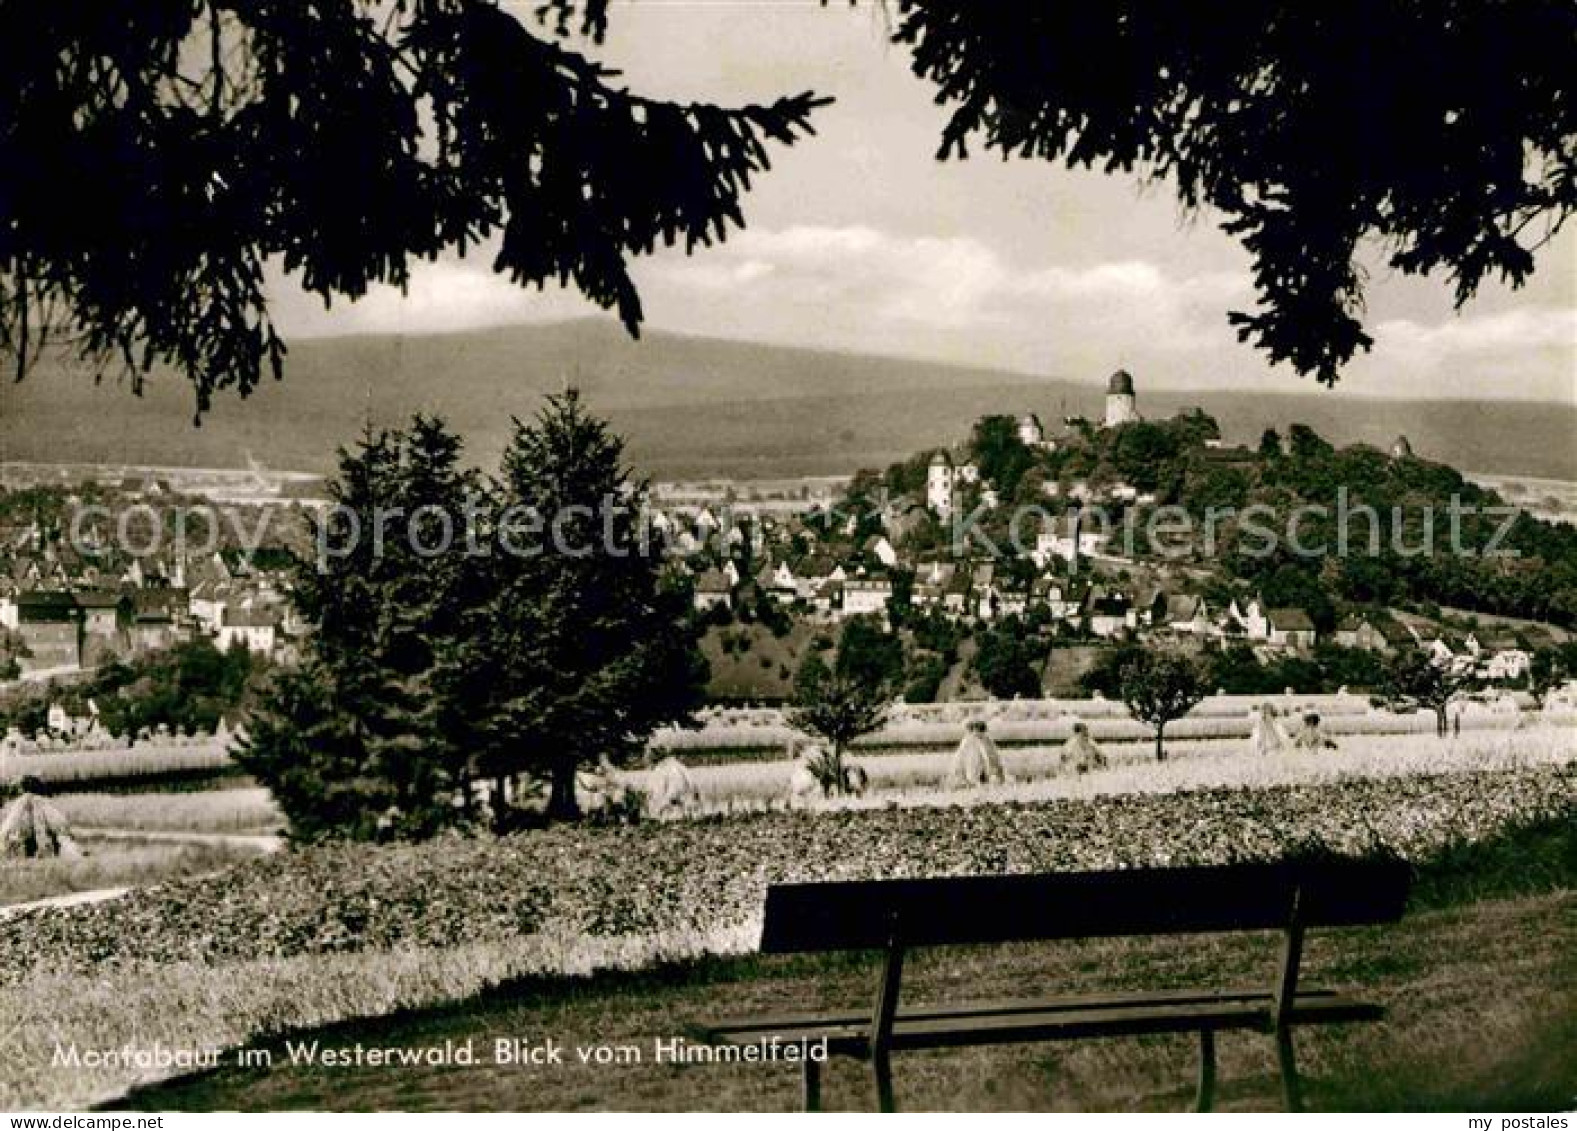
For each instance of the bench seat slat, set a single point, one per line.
(943, 1027)
(1008, 1006)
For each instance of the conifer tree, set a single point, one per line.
(358, 741)
(584, 647)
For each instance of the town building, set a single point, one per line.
(256, 628)
(1366, 633)
(712, 589)
(50, 625)
(866, 595)
(1289, 628)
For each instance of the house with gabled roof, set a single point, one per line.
(207, 602)
(159, 617)
(50, 625)
(1371, 632)
(955, 598)
(813, 571)
(1447, 650)
(102, 611)
(1057, 598)
(779, 581)
(1289, 628)
(1188, 613)
(1009, 598)
(1110, 611)
(254, 627)
(712, 589)
(1503, 655)
(1149, 607)
(1250, 616)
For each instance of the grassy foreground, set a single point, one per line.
(313, 938)
(1482, 1000)
(1480, 984)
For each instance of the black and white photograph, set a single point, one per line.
(766, 556)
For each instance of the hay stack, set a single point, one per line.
(32, 828)
(976, 761)
(671, 787)
(1267, 736)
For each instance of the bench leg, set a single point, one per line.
(1291, 1089)
(811, 1079)
(882, 1069)
(1206, 1095)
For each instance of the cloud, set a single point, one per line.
(1526, 353)
(961, 299)
(445, 295)
(1530, 328)
(889, 284)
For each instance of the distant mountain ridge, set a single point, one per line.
(693, 406)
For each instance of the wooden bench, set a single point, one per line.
(894, 916)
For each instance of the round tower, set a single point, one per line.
(939, 484)
(1401, 449)
(1120, 406)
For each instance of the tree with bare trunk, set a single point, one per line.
(1158, 687)
(837, 707)
(1415, 680)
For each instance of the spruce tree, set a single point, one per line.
(584, 647)
(359, 741)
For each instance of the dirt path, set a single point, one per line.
(259, 842)
(70, 899)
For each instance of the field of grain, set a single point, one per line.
(109, 863)
(1036, 772)
(144, 762)
(727, 733)
(249, 810)
(321, 935)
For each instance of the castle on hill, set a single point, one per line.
(948, 473)
(1121, 408)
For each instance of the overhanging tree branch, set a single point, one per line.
(160, 154)
(1434, 129)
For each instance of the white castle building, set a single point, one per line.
(943, 478)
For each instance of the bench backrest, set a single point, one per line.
(870, 914)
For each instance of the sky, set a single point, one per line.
(859, 239)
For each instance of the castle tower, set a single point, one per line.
(1120, 407)
(939, 484)
(1401, 449)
